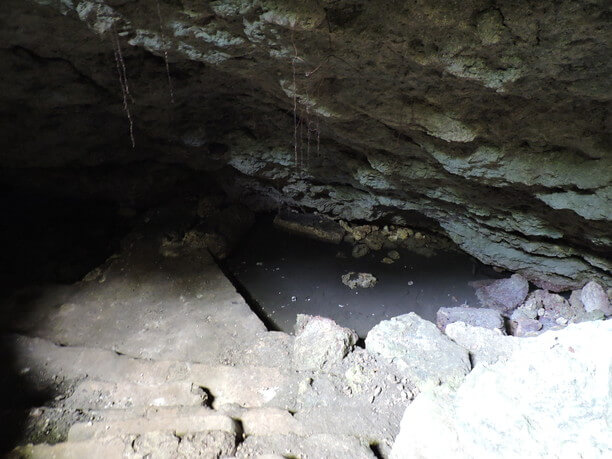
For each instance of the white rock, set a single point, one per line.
(320, 343)
(484, 345)
(418, 350)
(551, 399)
(594, 297)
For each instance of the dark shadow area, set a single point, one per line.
(18, 397)
(45, 240)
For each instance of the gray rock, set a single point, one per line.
(594, 297)
(544, 310)
(527, 327)
(360, 250)
(504, 295)
(510, 410)
(478, 317)
(362, 280)
(484, 345)
(320, 343)
(419, 351)
(575, 300)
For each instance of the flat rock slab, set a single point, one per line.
(324, 446)
(147, 305)
(478, 317)
(179, 421)
(419, 350)
(250, 386)
(320, 343)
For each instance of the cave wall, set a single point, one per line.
(491, 119)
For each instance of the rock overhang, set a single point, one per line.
(489, 121)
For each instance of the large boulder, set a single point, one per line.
(320, 343)
(419, 351)
(504, 295)
(550, 399)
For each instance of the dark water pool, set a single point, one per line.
(286, 275)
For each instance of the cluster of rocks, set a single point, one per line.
(509, 306)
(458, 404)
(218, 228)
(374, 238)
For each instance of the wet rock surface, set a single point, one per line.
(487, 123)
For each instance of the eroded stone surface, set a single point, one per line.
(509, 409)
(419, 350)
(489, 122)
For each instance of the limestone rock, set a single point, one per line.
(504, 295)
(362, 280)
(484, 345)
(478, 317)
(594, 297)
(419, 351)
(551, 398)
(320, 343)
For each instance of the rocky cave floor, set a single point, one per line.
(155, 354)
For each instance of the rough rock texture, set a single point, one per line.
(355, 280)
(487, 121)
(478, 317)
(551, 398)
(484, 345)
(544, 310)
(594, 298)
(320, 342)
(504, 295)
(419, 350)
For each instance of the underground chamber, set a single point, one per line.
(304, 229)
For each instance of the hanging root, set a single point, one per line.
(295, 115)
(161, 34)
(123, 81)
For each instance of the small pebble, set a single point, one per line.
(294, 298)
